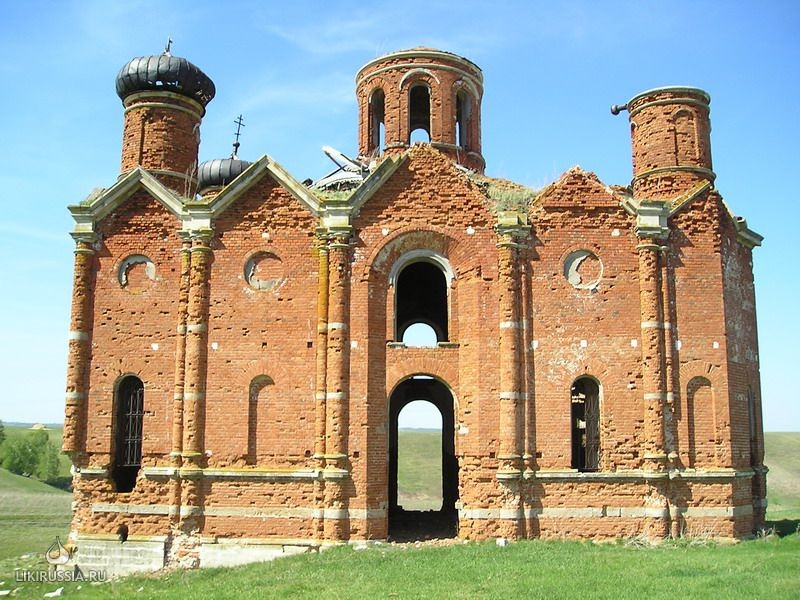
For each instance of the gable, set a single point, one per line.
(426, 188)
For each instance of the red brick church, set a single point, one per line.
(237, 361)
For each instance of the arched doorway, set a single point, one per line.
(407, 524)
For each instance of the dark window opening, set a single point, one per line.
(129, 417)
(377, 104)
(463, 116)
(585, 413)
(419, 112)
(407, 520)
(421, 297)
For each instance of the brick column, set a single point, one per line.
(194, 394)
(510, 446)
(653, 381)
(196, 348)
(337, 385)
(670, 356)
(509, 471)
(80, 349)
(321, 378)
(527, 357)
(180, 374)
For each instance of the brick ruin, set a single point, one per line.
(236, 364)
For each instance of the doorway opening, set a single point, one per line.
(416, 514)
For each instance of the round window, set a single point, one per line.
(583, 270)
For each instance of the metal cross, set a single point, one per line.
(168, 47)
(239, 122)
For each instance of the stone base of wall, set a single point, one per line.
(104, 553)
(116, 558)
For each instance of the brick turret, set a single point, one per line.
(671, 138)
(165, 98)
(421, 89)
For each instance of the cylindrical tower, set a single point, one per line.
(421, 89)
(671, 138)
(165, 98)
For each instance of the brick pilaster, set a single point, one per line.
(80, 350)
(511, 396)
(321, 378)
(337, 385)
(180, 374)
(653, 380)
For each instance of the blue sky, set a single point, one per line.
(551, 72)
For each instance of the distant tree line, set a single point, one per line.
(31, 455)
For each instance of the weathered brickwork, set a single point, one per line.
(236, 364)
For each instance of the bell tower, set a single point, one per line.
(425, 93)
(671, 140)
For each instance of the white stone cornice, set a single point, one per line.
(100, 204)
(652, 219)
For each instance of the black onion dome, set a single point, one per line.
(165, 73)
(219, 172)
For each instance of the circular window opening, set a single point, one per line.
(263, 271)
(583, 270)
(136, 272)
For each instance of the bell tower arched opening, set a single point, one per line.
(421, 297)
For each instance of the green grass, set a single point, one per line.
(766, 568)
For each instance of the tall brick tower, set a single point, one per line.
(671, 138)
(421, 89)
(165, 98)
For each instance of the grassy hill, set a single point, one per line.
(32, 513)
(419, 469)
(782, 456)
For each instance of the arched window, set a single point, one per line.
(463, 119)
(377, 108)
(419, 112)
(256, 411)
(585, 414)
(128, 433)
(421, 297)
